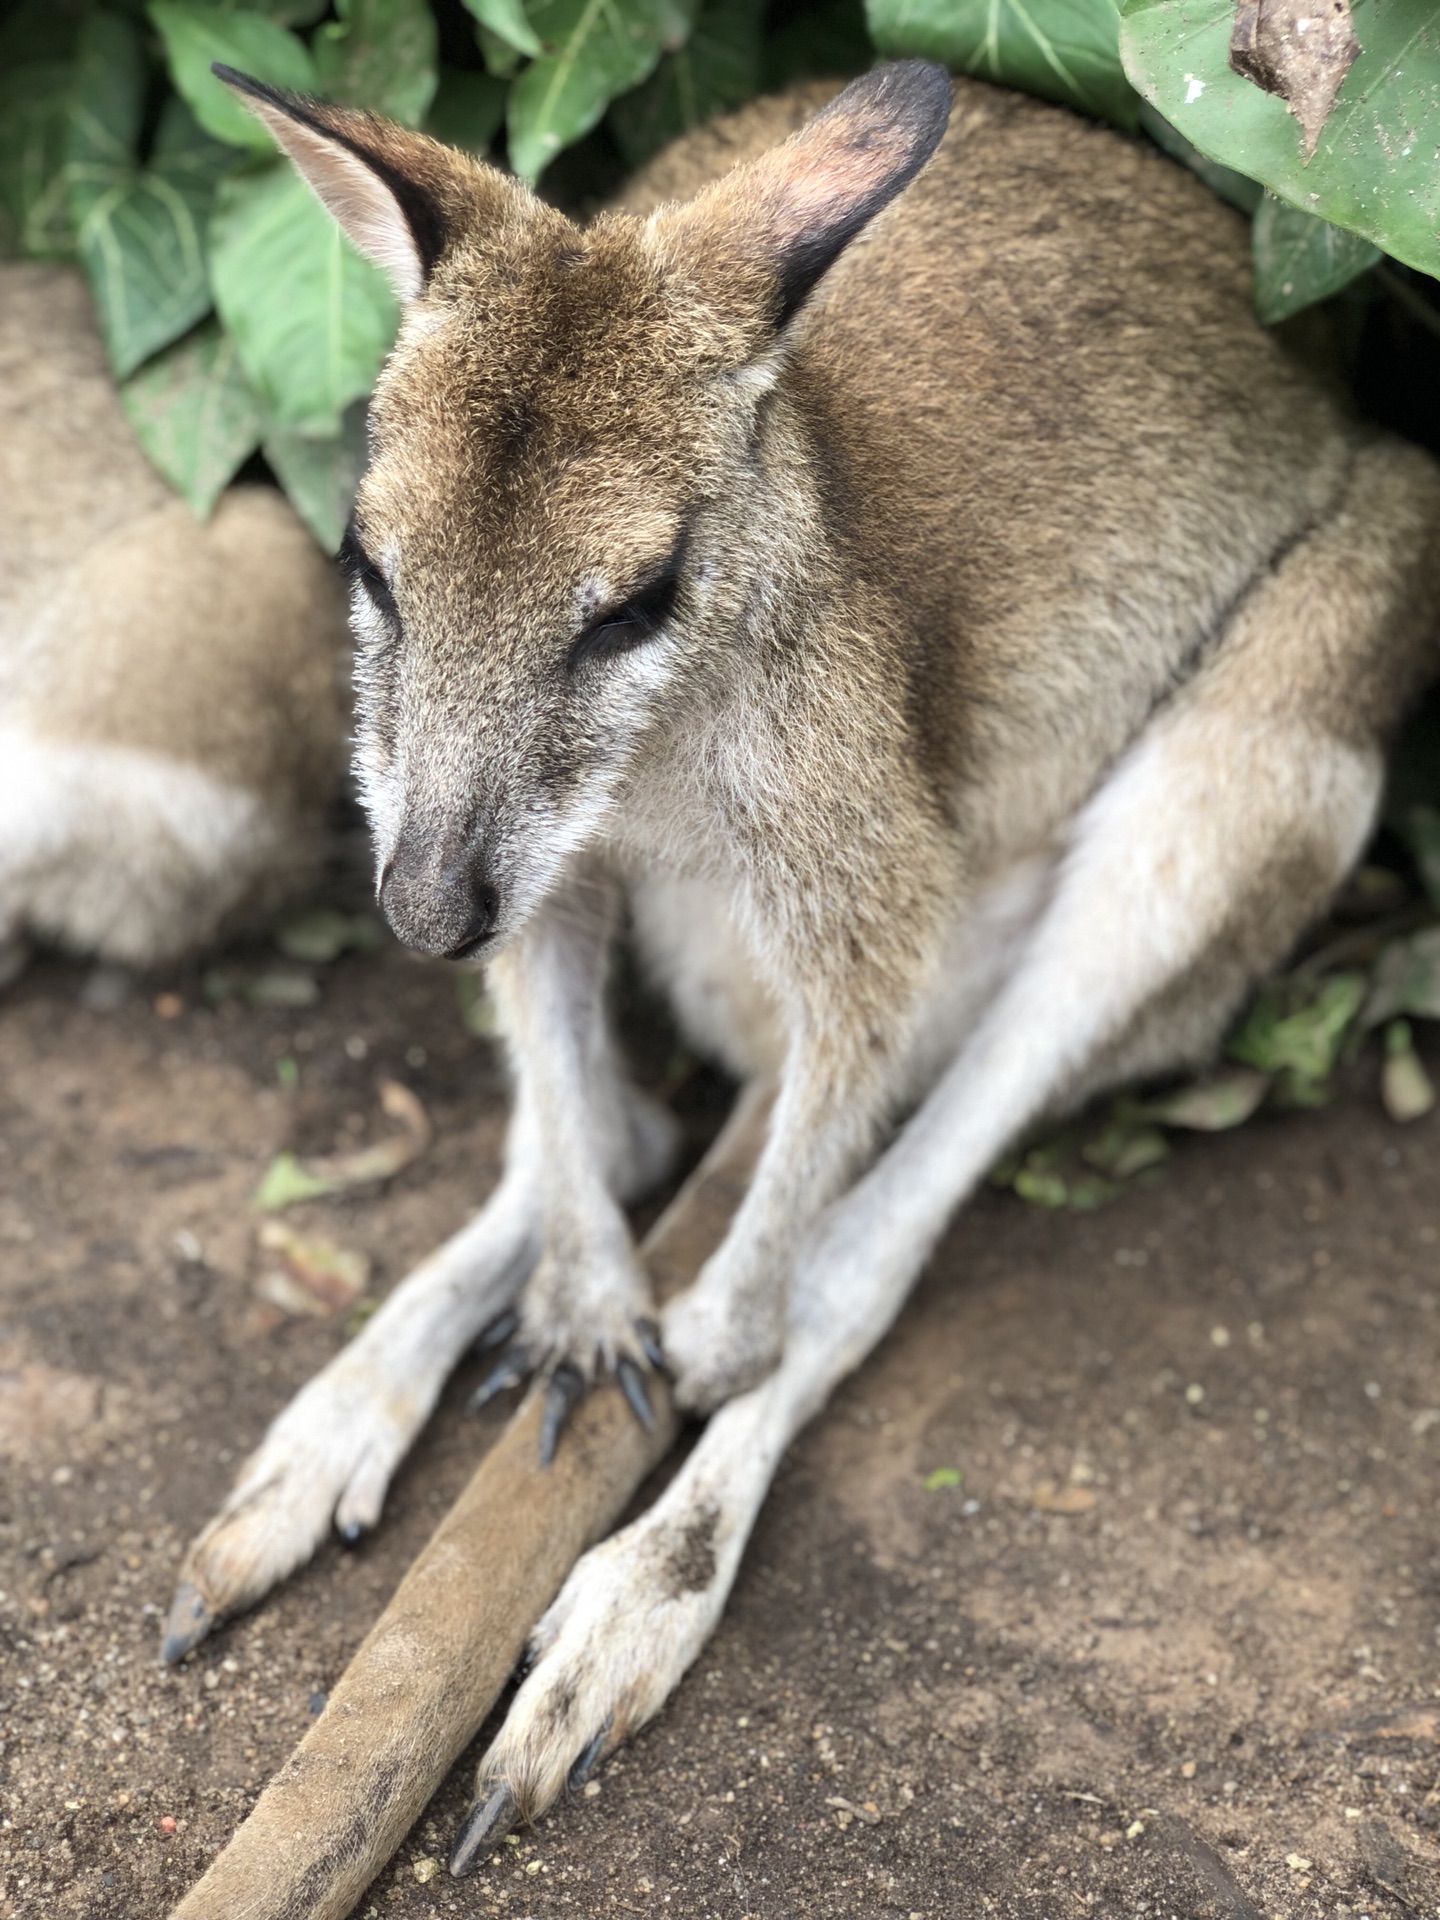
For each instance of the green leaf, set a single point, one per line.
(506, 20)
(1300, 259)
(1419, 828)
(312, 320)
(1405, 1087)
(1041, 1189)
(942, 1478)
(319, 935)
(34, 129)
(195, 414)
(196, 34)
(1296, 1027)
(139, 232)
(1234, 188)
(1374, 171)
(595, 50)
(1407, 980)
(1213, 1105)
(380, 54)
(468, 109)
(1126, 1148)
(1065, 50)
(289, 13)
(286, 1183)
(718, 68)
(320, 474)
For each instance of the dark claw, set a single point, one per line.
(567, 1385)
(585, 1765)
(650, 1342)
(499, 1332)
(189, 1622)
(487, 1823)
(512, 1369)
(632, 1385)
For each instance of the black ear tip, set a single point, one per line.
(242, 82)
(923, 87)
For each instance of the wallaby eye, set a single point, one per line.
(358, 569)
(628, 625)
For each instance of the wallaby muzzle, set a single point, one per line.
(438, 896)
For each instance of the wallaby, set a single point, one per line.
(897, 563)
(171, 721)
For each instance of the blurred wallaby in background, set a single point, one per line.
(171, 711)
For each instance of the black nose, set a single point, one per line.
(445, 906)
(484, 904)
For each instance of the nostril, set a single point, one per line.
(484, 912)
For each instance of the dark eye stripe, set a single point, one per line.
(356, 567)
(631, 623)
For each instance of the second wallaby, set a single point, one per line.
(886, 552)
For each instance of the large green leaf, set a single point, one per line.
(468, 109)
(1066, 50)
(717, 68)
(380, 54)
(37, 46)
(506, 20)
(1300, 259)
(312, 320)
(139, 231)
(320, 474)
(195, 413)
(594, 50)
(1374, 170)
(290, 13)
(34, 128)
(196, 35)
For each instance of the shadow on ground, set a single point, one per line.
(1167, 1648)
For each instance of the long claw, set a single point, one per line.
(581, 1771)
(567, 1385)
(487, 1823)
(189, 1621)
(637, 1394)
(512, 1369)
(499, 1332)
(650, 1345)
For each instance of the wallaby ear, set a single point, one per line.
(403, 198)
(790, 214)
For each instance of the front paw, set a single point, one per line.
(578, 1323)
(719, 1342)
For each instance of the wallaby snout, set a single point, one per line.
(439, 897)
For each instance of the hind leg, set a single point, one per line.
(1190, 872)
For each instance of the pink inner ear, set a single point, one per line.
(359, 200)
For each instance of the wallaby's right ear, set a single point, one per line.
(403, 198)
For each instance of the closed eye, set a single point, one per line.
(358, 569)
(628, 625)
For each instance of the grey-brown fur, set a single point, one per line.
(171, 693)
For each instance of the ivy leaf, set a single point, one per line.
(1065, 50)
(718, 68)
(320, 473)
(506, 20)
(196, 35)
(468, 110)
(139, 231)
(195, 414)
(1300, 259)
(312, 320)
(595, 50)
(380, 54)
(1374, 170)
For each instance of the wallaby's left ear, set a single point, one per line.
(786, 217)
(403, 199)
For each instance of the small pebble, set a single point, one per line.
(425, 1869)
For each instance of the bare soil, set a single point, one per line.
(1169, 1648)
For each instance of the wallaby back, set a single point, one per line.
(171, 715)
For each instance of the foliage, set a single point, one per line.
(239, 320)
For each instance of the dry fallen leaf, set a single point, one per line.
(290, 1179)
(1048, 1498)
(307, 1275)
(1299, 50)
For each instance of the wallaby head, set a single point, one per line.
(564, 447)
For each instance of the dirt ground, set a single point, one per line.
(1198, 1678)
